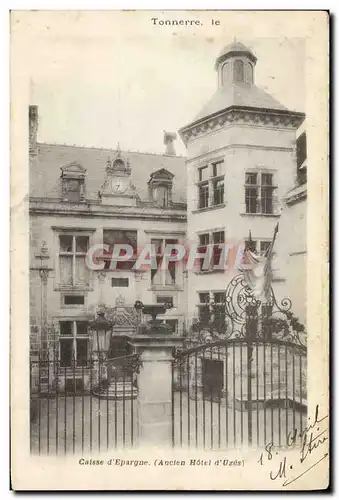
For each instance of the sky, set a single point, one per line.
(101, 80)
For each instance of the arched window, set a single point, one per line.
(250, 73)
(238, 70)
(225, 73)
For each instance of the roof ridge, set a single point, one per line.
(103, 148)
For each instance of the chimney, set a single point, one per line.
(169, 138)
(33, 123)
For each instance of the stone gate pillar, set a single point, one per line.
(155, 388)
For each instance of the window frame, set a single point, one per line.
(159, 256)
(73, 255)
(214, 195)
(211, 242)
(73, 340)
(259, 200)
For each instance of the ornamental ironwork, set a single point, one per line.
(241, 315)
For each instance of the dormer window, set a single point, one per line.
(73, 183)
(160, 187)
(160, 195)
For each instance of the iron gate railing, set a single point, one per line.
(260, 396)
(247, 384)
(83, 407)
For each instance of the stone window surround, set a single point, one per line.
(209, 181)
(210, 232)
(73, 306)
(259, 170)
(81, 318)
(211, 297)
(58, 231)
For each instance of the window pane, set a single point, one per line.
(266, 200)
(204, 239)
(66, 243)
(203, 196)
(218, 168)
(120, 282)
(251, 199)
(81, 271)
(73, 196)
(156, 276)
(157, 245)
(301, 149)
(266, 179)
(264, 245)
(170, 274)
(165, 300)
(251, 178)
(219, 237)
(66, 352)
(204, 297)
(113, 236)
(81, 243)
(250, 73)
(70, 300)
(238, 71)
(66, 270)
(251, 245)
(82, 351)
(173, 323)
(66, 328)
(219, 297)
(160, 195)
(73, 185)
(82, 328)
(203, 174)
(218, 192)
(225, 72)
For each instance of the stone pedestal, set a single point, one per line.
(155, 388)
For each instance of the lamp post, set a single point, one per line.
(101, 328)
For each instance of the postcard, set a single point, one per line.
(169, 250)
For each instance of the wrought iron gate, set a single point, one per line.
(83, 407)
(247, 385)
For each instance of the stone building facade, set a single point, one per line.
(241, 163)
(81, 198)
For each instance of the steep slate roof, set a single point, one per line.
(45, 173)
(239, 94)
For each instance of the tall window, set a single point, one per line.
(203, 195)
(238, 69)
(301, 159)
(211, 185)
(73, 190)
(72, 260)
(219, 309)
(160, 194)
(204, 240)
(73, 342)
(250, 73)
(259, 193)
(211, 308)
(218, 182)
(112, 237)
(225, 72)
(204, 307)
(168, 276)
(217, 239)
